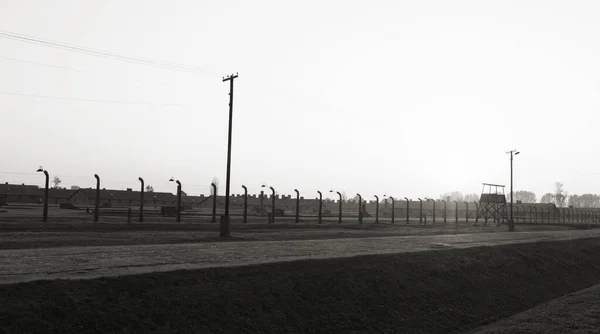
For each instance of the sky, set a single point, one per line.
(404, 98)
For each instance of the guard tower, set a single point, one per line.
(493, 204)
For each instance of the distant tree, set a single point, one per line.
(590, 201)
(584, 201)
(525, 196)
(472, 197)
(183, 193)
(344, 196)
(560, 196)
(573, 200)
(57, 181)
(215, 180)
(74, 187)
(149, 188)
(547, 198)
(454, 196)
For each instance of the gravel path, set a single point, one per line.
(21, 265)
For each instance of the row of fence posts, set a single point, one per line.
(568, 214)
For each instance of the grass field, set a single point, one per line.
(429, 292)
(27, 234)
(578, 312)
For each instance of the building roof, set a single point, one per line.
(20, 189)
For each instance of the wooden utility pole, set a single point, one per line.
(225, 228)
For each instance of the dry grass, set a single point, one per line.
(575, 313)
(25, 235)
(428, 292)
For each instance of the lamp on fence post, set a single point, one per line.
(433, 213)
(46, 187)
(340, 206)
(359, 208)
(433, 210)
(97, 204)
(214, 211)
(407, 209)
(376, 209)
(245, 204)
(320, 206)
(456, 213)
(178, 208)
(445, 212)
(272, 203)
(297, 206)
(393, 201)
(420, 211)
(141, 200)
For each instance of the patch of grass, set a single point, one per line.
(577, 312)
(428, 292)
(43, 235)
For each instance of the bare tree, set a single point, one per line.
(472, 197)
(344, 197)
(525, 196)
(215, 180)
(547, 198)
(149, 188)
(57, 181)
(454, 196)
(584, 201)
(560, 196)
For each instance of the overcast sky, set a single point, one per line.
(408, 98)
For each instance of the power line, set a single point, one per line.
(90, 72)
(107, 54)
(92, 100)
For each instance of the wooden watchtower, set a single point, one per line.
(492, 204)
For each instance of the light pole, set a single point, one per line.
(340, 205)
(376, 209)
(225, 227)
(420, 211)
(359, 208)
(407, 209)
(297, 206)
(511, 223)
(141, 200)
(46, 187)
(178, 209)
(320, 206)
(214, 213)
(273, 203)
(245, 204)
(392, 208)
(96, 211)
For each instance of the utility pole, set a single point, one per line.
(225, 228)
(511, 223)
